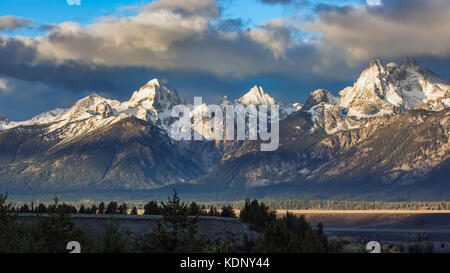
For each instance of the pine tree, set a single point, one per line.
(41, 208)
(112, 208)
(194, 209)
(134, 211)
(152, 208)
(123, 209)
(93, 209)
(82, 210)
(228, 211)
(101, 208)
(176, 233)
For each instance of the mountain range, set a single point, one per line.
(385, 137)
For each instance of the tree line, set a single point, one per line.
(211, 208)
(297, 204)
(176, 232)
(151, 208)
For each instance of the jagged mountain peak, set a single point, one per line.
(375, 62)
(257, 96)
(155, 81)
(373, 92)
(155, 91)
(320, 95)
(88, 103)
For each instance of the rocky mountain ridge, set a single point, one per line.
(390, 129)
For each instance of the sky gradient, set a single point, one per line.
(52, 53)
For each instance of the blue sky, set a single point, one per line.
(52, 54)
(57, 11)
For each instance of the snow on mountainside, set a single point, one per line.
(105, 144)
(3, 122)
(153, 103)
(380, 90)
(257, 96)
(319, 96)
(392, 88)
(43, 118)
(47, 117)
(417, 86)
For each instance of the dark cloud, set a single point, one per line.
(10, 23)
(396, 28)
(205, 55)
(186, 7)
(45, 27)
(232, 25)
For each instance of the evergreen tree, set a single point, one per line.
(213, 212)
(203, 211)
(257, 214)
(194, 209)
(134, 211)
(82, 210)
(24, 209)
(291, 234)
(176, 233)
(228, 211)
(152, 208)
(123, 209)
(93, 209)
(41, 208)
(112, 208)
(51, 234)
(11, 232)
(114, 239)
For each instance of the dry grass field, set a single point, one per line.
(317, 211)
(363, 211)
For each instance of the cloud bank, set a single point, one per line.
(190, 38)
(396, 28)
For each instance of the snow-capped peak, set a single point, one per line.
(373, 94)
(85, 108)
(47, 117)
(375, 62)
(319, 96)
(155, 81)
(381, 90)
(154, 92)
(257, 96)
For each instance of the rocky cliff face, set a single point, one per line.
(391, 151)
(390, 129)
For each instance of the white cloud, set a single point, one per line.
(374, 2)
(174, 35)
(273, 35)
(4, 86)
